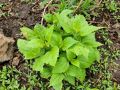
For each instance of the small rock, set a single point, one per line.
(15, 61)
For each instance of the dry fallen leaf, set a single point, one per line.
(6, 48)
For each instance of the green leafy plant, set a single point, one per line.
(9, 78)
(63, 49)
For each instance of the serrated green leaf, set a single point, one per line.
(61, 66)
(70, 79)
(49, 58)
(68, 42)
(79, 49)
(93, 55)
(58, 86)
(39, 63)
(48, 33)
(84, 62)
(75, 62)
(35, 43)
(56, 39)
(46, 72)
(97, 44)
(48, 17)
(38, 28)
(66, 12)
(30, 49)
(78, 22)
(27, 33)
(39, 31)
(77, 72)
(56, 81)
(89, 40)
(70, 55)
(64, 20)
(52, 56)
(86, 30)
(97, 53)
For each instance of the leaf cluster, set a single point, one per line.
(63, 49)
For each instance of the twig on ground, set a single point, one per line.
(45, 10)
(97, 5)
(78, 5)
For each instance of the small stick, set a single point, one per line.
(96, 5)
(78, 5)
(45, 10)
